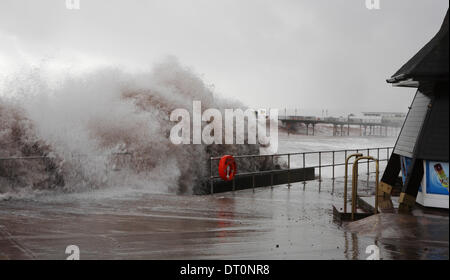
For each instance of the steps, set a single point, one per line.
(366, 207)
(340, 216)
(385, 204)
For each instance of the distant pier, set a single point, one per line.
(341, 126)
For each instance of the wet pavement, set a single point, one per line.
(417, 237)
(270, 223)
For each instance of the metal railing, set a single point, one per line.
(355, 183)
(302, 155)
(324, 160)
(346, 177)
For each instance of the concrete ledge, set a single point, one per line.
(264, 180)
(340, 216)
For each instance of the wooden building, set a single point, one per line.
(422, 148)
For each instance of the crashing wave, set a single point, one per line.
(105, 128)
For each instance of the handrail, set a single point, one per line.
(289, 156)
(306, 153)
(355, 183)
(346, 178)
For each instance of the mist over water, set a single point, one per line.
(103, 127)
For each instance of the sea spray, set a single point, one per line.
(108, 127)
(18, 140)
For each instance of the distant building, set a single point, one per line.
(385, 114)
(386, 117)
(360, 118)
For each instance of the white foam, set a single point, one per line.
(86, 117)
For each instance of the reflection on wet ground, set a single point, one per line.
(418, 236)
(270, 223)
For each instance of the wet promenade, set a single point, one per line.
(270, 223)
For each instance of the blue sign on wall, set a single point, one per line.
(437, 177)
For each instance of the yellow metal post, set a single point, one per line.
(355, 183)
(346, 178)
(377, 174)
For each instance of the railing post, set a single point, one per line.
(320, 166)
(271, 175)
(211, 175)
(333, 167)
(271, 179)
(304, 175)
(289, 170)
(357, 151)
(253, 176)
(377, 174)
(354, 187)
(368, 163)
(253, 182)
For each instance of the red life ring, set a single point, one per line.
(227, 168)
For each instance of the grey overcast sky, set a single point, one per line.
(306, 54)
